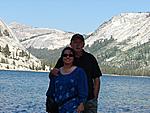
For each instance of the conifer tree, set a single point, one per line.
(0, 49)
(6, 51)
(6, 33)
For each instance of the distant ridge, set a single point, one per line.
(121, 44)
(13, 55)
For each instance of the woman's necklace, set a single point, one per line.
(67, 70)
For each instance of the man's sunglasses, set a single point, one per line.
(65, 55)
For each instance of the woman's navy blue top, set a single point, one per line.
(69, 90)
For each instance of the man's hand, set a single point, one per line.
(54, 72)
(96, 87)
(80, 108)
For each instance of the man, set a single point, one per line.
(88, 62)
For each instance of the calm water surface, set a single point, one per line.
(24, 92)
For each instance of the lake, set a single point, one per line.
(24, 92)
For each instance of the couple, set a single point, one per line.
(75, 79)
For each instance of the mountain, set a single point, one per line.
(40, 38)
(121, 44)
(129, 28)
(12, 54)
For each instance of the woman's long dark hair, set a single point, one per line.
(73, 52)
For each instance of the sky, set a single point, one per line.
(79, 16)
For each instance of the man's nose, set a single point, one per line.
(78, 45)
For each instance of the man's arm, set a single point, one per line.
(59, 63)
(96, 87)
(97, 74)
(55, 70)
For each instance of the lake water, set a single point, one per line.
(24, 92)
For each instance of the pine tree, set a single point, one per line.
(6, 33)
(1, 33)
(0, 49)
(6, 51)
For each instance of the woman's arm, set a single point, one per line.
(82, 89)
(51, 87)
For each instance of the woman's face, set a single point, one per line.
(68, 57)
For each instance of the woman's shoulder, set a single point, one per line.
(79, 69)
(80, 73)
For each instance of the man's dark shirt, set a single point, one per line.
(88, 62)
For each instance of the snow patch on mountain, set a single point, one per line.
(12, 54)
(131, 28)
(41, 37)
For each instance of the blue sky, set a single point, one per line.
(82, 16)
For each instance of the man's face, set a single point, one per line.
(77, 45)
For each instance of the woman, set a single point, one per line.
(69, 88)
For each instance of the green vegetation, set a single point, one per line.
(6, 33)
(48, 57)
(125, 71)
(135, 61)
(6, 51)
(1, 33)
(112, 60)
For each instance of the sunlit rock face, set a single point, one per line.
(13, 55)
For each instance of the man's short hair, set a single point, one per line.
(77, 36)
